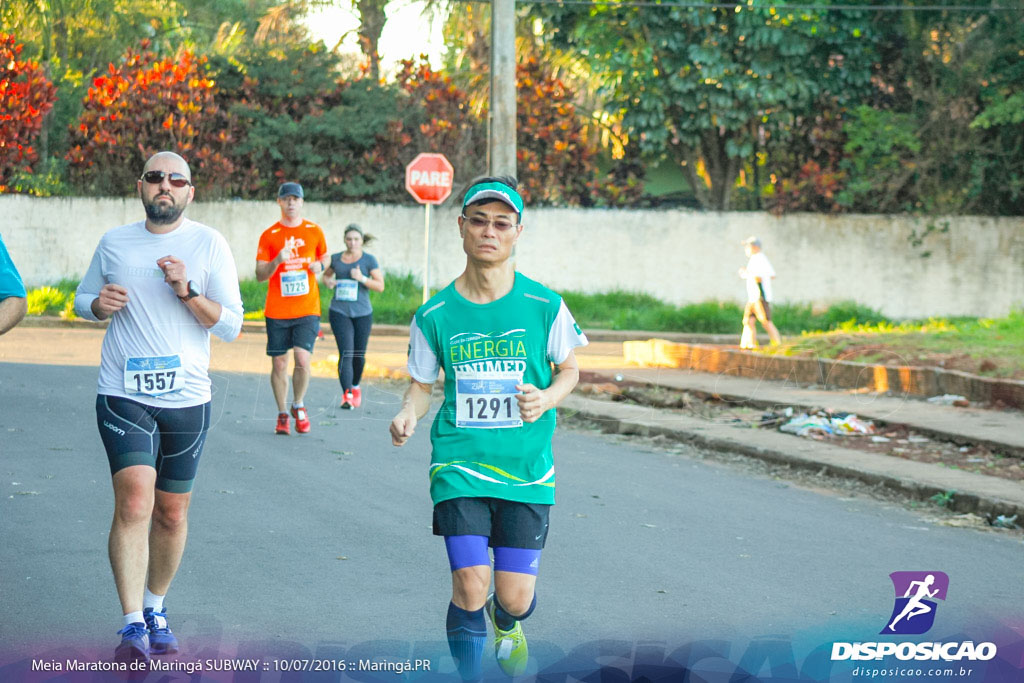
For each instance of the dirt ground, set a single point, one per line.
(887, 354)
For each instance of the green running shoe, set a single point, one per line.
(509, 646)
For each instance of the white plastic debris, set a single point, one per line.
(825, 424)
(947, 399)
(1004, 522)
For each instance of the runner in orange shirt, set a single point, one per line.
(291, 253)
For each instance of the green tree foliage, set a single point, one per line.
(296, 119)
(702, 86)
(75, 40)
(882, 149)
(555, 162)
(141, 106)
(800, 169)
(560, 145)
(954, 80)
(26, 95)
(438, 116)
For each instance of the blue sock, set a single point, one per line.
(504, 620)
(467, 634)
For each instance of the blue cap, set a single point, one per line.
(289, 190)
(498, 191)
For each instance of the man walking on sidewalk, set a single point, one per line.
(291, 253)
(759, 275)
(166, 284)
(496, 333)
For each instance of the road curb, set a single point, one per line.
(825, 372)
(979, 494)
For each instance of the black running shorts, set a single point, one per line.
(170, 440)
(284, 334)
(507, 523)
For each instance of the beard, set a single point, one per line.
(162, 214)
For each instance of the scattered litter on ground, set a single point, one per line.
(880, 439)
(824, 423)
(808, 425)
(950, 400)
(1004, 522)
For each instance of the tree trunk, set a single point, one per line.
(700, 189)
(371, 24)
(721, 169)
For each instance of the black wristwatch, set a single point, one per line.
(192, 293)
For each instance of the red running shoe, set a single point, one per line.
(347, 400)
(355, 396)
(282, 424)
(301, 420)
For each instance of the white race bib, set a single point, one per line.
(153, 375)
(346, 290)
(294, 283)
(487, 400)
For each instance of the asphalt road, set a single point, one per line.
(320, 545)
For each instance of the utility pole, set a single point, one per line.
(502, 142)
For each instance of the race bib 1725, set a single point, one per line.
(294, 283)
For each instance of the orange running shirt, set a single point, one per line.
(293, 291)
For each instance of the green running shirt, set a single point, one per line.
(481, 448)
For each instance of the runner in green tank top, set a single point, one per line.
(496, 334)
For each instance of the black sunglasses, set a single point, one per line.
(157, 177)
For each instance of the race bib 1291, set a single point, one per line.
(487, 400)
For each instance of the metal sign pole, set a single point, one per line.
(426, 253)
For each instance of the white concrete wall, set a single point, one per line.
(975, 268)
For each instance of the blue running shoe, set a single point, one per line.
(134, 645)
(161, 640)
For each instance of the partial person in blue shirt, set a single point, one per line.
(13, 298)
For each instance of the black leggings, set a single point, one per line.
(351, 336)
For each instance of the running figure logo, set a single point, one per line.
(914, 611)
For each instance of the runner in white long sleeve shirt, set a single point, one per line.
(166, 284)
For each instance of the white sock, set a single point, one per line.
(153, 600)
(133, 618)
(297, 405)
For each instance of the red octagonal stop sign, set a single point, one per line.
(429, 178)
